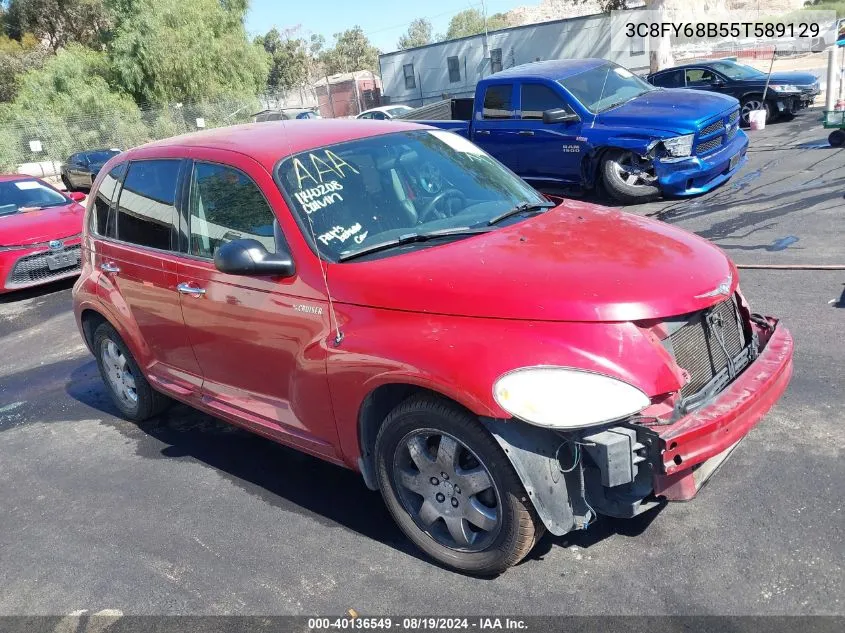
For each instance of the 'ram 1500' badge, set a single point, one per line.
(723, 288)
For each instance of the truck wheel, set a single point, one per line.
(754, 102)
(628, 178)
(129, 390)
(451, 488)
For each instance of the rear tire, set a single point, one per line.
(451, 488)
(129, 390)
(67, 184)
(627, 177)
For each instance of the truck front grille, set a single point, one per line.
(34, 269)
(717, 133)
(706, 342)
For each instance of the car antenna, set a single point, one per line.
(338, 337)
(601, 96)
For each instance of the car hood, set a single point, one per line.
(34, 227)
(677, 110)
(577, 262)
(793, 78)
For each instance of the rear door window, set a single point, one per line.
(147, 203)
(104, 213)
(224, 205)
(498, 102)
(671, 79)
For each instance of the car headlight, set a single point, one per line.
(561, 398)
(679, 145)
(784, 88)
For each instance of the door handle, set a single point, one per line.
(188, 289)
(484, 132)
(109, 267)
(526, 132)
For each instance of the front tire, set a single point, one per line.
(129, 390)
(628, 178)
(451, 488)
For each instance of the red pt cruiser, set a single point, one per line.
(391, 299)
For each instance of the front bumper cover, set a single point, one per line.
(700, 174)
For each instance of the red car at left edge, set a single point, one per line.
(40, 230)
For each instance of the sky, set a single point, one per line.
(382, 20)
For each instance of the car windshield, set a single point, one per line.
(735, 70)
(27, 195)
(353, 195)
(605, 87)
(101, 156)
(398, 110)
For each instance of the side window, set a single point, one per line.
(670, 79)
(381, 116)
(146, 206)
(699, 77)
(537, 98)
(454, 69)
(410, 80)
(104, 213)
(495, 60)
(225, 205)
(498, 102)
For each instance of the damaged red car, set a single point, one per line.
(391, 299)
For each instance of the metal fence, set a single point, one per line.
(38, 142)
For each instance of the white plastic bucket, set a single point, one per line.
(757, 119)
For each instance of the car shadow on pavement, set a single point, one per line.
(278, 475)
(37, 291)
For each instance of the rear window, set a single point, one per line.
(146, 206)
(498, 102)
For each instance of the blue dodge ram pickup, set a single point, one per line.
(564, 122)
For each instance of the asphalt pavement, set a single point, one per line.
(186, 515)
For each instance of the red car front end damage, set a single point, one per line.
(693, 447)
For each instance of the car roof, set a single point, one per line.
(704, 62)
(387, 107)
(553, 69)
(270, 141)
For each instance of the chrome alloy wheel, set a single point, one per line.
(748, 107)
(118, 373)
(634, 171)
(447, 490)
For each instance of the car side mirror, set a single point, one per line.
(559, 115)
(76, 196)
(249, 257)
(717, 83)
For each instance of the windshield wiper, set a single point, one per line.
(520, 208)
(410, 238)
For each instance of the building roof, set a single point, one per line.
(551, 69)
(271, 141)
(341, 77)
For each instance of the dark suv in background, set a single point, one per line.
(787, 94)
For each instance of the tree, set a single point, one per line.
(69, 105)
(169, 51)
(471, 22)
(352, 51)
(16, 58)
(419, 34)
(289, 60)
(59, 22)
